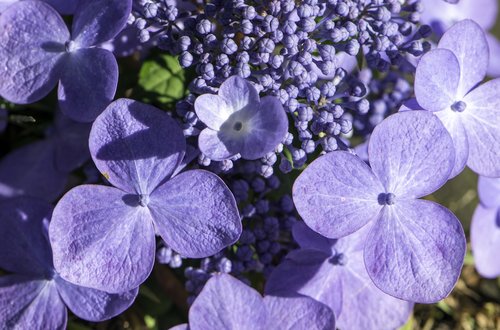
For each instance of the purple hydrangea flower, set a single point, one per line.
(332, 271)
(415, 249)
(37, 51)
(226, 303)
(239, 122)
(485, 228)
(104, 237)
(445, 83)
(64, 7)
(33, 295)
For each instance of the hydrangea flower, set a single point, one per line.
(415, 248)
(485, 228)
(37, 51)
(33, 295)
(64, 7)
(104, 237)
(446, 83)
(226, 303)
(239, 122)
(332, 271)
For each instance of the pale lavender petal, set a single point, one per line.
(23, 237)
(65, 7)
(210, 144)
(212, 110)
(91, 304)
(196, 214)
(136, 146)
(101, 238)
(287, 313)
(468, 42)
(482, 123)
(32, 37)
(30, 303)
(95, 23)
(494, 46)
(6, 3)
(437, 79)
(483, 12)
(238, 93)
(337, 194)
(411, 153)
(226, 303)
(88, 83)
(489, 191)
(415, 251)
(30, 171)
(485, 240)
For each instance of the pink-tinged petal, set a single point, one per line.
(468, 42)
(337, 194)
(65, 7)
(23, 236)
(489, 191)
(30, 303)
(226, 303)
(238, 93)
(452, 121)
(485, 240)
(437, 79)
(212, 110)
(30, 171)
(494, 46)
(136, 146)
(287, 313)
(196, 214)
(482, 123)
(102, 239)
(415, 251)
(211, 144)
(411, 153)
(32, 37)
(88, 83)
(91, 304)
(96, 22)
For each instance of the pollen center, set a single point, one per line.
(69, 46)
(386, 199)
(459, 106)
(238, 126)
(143, 200)
(338, 259)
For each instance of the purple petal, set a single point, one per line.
(212, 110)
(238, 93)
(410, 105)
(6, 3)
(226, 303)
(468, 42)
(337, 194)
(71, 144)
(136, 146)
(411, 153)
(437, 79)
(32, 37)
(101, 239)
(23, 236)
(210, 144)
(88, 83)
(308, 239)
(196, 214)
(298, 313)
(93, 305)
(482, 123)
(29, 303)
(65, 7)
(30, 171)
(494, 46)
(485, 240)
(183, 326)
(95, 23)
(489, 191)
(416, 251)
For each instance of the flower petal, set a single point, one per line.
(415, 251)
(298, 313)
(308, 239)
(494, 46)
(32, 37)
(102, 239)
(91, 304)
(94, 23)
(136, 146)
(485, 241)
(337, 194)
(489, 191)
(238, 93)
(466, 39)
(196, 214)
(212, 110)
(482, 123)
(71, 144)
(226, 303)
(437, 79)
(65, 7)
(88, 83)
(210, 144)
(411, 153)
